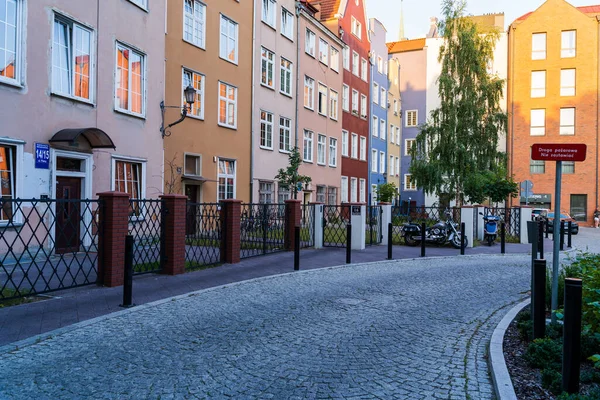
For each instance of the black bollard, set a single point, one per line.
(390, 231)
(348, 243)
(128, 278)
(569, 226)
(562, 235)
(503, 238)
(423, 227)
(572, 336)
(547, 224)
(538, 299)
(462, 238)
(541, 239)
(296, 248)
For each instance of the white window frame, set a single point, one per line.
(18, 80)
(227, 103)
(382, 126)
(322, 94)
(346, 58)
(354, 146)
(17, 178)
(383, 97)
(411, 119)
(391, 166)
(353, 189)
(566, 128)
(310, 43)
(333, 152)
(565, 50)
(364, 73)
(344, 189)
(373, 160)
(142, 179)
(265, 192)
(334, 59)
(268, 12)
(409, 187)
(287, 24)
(355, 104)
(538, 91)
(226, 37)
(333, 104)
(266, 129)
(392, 130)
(308, 146)
(537, 122)
(568, 89)
(143, 83)
(197, 23)
(321, 149)
(397, 166)
(226, 175)
(375, 93)
(286, 72)
(362, 190)
(323, 51)
(380, 64)
(309, 84)
(408, 144)
(356, 28)
(363, 106)
(198, 158)
(285, 134)
(382, 162)
(537, 52)
(199, 93)
(398, 134)
(267, 64)
(345, 98)
(363, 148)
(143, 4)
(375, 126)
(345, 143)
(355, 63)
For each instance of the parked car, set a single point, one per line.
(563, 217)
(538, 213)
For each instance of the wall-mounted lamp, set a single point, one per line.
(190, 96)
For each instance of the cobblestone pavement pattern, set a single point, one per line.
(401, 330)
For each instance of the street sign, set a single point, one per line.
(42, 156)
(558, 152)
(356, 210)
(526, 187)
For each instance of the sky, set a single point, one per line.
(418, 12)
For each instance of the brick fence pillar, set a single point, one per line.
(114, 220)
(174, 231)
(293, 218)
(230, 231)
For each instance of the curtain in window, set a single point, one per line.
(123, 78)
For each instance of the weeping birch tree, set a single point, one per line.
(459, 142)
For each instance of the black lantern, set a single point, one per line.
(190, 97)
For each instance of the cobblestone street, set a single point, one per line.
(403, 329)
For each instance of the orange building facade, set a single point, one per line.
(553, 92)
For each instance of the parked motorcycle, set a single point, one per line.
(440, 233)
(490, 228)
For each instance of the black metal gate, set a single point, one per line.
(146, 219)
(335, 220)
(307, 229)
(262, 229)
(202, 235)
(374, 234)
(512, 218)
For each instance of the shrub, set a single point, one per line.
(526, 329)
(552, 380)
(561, 289)
(544, 353)
(554, 330)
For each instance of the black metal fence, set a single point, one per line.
(307, 229)
(335, 220)
(146, 226)
(262, 229)
(402, 215)
(203, 235)
(47, 245)
(374, 233)
(512, 218)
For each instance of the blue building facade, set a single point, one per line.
(378, 157)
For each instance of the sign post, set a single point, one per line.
(558, 152)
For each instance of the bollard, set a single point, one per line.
(503, 238)
(569, 226)
(423, 228)
(296, 248)
(538, 299)
(562, 235)
(462, 238)
(348, 243)
(547, 224)
(390, 231)
(128, 279)
(541, 239)
(571, 336)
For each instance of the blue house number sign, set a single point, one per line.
(42, 156)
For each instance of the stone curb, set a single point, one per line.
(60, 331)
(502, 383)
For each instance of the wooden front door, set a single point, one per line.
(68, 214)
(191, 191)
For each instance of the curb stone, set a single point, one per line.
(502, 383)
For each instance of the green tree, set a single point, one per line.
(386, 192)
(289, 178)
(460, 139)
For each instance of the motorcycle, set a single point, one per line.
(490, 228)
(440, 233)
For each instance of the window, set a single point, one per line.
(567, 82)
(395, 107)
(332, 152)
(375, 127)
(322, 100)
(568, 44)
(308, 146)
(382, 129)
(192, 164)
(130, 80)
(379, 64)
(346, 57)
(409, 184)
(287, 24)
(332, 196)
(398, 135)
(310, 43)
(346, 98)
(353, 189)
(10, 49)
(363, 190)
(268, 12)
(354, 145)
(345, 143)
(567, 121)
(578, 209)
(321, 193)
(229, 37)
(197, 81)
(344, 189)
(141, 3)
(538, 84)
(267, 59)
(374, 193)
(354, 101)
(373, 160)
(391, 165)
(537, 167)
(194, 22)
(309, 93)
(538, 46)
(333, 104)
(408, 145)
(397, 166)
(227, 105)
(265, 192)
(568, 167)
(412, 118)
(365, 69)
(355, 63)
(363, 106)
(356, 28)
(363, 148)
(283, 194)
(266, 129)
(226, 178)
(128, 179)
(375, 93)
(538, 122)
(321, 149)
(392, 133)
(7, 180)
(323, 51)
(382, 162)
(72, 64)
(285, 85)
(335, 60)
(383, 97)
(285, 128)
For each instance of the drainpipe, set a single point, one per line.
(597, 107)
(298, 12)
(252, 106)
(512, 105)
(370, 132)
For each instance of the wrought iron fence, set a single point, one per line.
(335, 220)
(402, 215)
(307, 229)
(203, 235)
(374, 234)
(146, 226)
(262, 229)
(47, 245)
(512, 218)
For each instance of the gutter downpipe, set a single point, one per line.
(370, 132)
(597, 105)
(252, 105)
(298, 14)
(512, 103)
